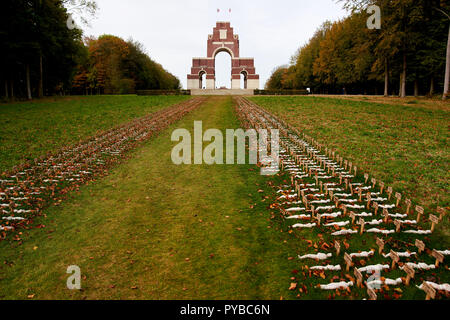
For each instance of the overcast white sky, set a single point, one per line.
(175, 31)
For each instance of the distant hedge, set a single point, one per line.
(163, 92)
(281, 92)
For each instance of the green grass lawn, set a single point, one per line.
(31, 129)
(405, 146)
(313, 240)
(154, 230)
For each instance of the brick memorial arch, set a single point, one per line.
(222, 39)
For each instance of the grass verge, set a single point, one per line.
(405, 146)
(154, 230)
(31, 129)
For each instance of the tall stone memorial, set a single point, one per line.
(223, 39)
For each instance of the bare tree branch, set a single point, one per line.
(85, 10)
(443, 12)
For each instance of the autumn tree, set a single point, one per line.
(410, 38)
(305, 59)
(275, 81)
(114, 65)
(39, 52)
(407, 54)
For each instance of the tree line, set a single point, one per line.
(41, 54)
(407, 55)
(110, 65)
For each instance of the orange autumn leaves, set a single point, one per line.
(113, 65)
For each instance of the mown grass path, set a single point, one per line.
(154, 230)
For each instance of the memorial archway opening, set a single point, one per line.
(202, 79)
(222, 66)
(243, 74)
(244, 77)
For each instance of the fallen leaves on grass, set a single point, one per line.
(346, 244)
(349, 277)
(396, 296)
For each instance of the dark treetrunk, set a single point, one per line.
(11, 84)
(6, 89)
(431, 86)
(386, 78)
(41, 78)
(416, 88)
(403, 78)
(28, 82)
(447, 69)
